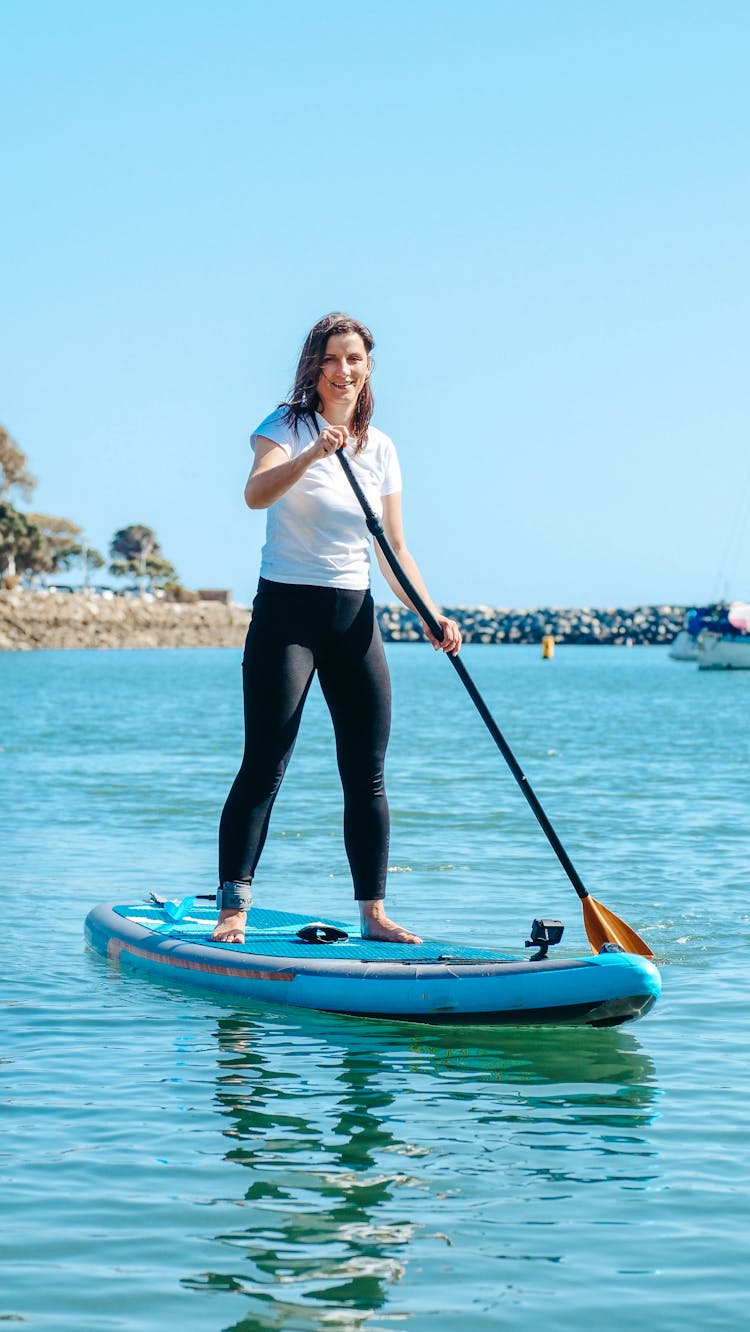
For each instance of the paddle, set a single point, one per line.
(601, 925)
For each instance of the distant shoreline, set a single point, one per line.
(45, 620)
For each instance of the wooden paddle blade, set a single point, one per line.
(603, 926)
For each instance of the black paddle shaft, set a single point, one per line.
(376, 527)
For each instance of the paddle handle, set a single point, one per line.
(376, 527)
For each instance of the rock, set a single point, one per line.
(482, 624)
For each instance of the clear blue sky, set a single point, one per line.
(539, 207)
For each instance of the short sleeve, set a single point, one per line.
(391, 484)
(275, 428)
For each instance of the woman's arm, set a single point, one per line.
(273, 473)
(394, 531)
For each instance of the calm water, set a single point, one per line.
(172, 1160)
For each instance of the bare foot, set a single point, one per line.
(230, 927)
(374, 924)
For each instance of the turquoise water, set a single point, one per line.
(172, 1160)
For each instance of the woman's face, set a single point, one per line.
(343, 373)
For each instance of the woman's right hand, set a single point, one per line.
(273, 473)
(329, 441)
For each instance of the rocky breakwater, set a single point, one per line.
(88, 620)
(488, 624)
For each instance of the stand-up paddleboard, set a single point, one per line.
(287, 960)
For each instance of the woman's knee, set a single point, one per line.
(362, 782)
(256, 783)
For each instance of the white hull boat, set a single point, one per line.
(722, 652)
(684, 647)
(717, 637)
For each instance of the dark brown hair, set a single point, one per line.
(303, 400)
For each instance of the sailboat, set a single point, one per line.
(717, 636)
(684, 646)
(723, 641)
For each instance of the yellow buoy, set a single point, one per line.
(548, 647)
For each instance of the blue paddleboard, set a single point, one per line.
(438, 981)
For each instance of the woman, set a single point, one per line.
(314, 612)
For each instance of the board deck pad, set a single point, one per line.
(274, 934)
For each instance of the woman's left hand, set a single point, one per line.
(451, 642)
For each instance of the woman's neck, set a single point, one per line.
(336, 414)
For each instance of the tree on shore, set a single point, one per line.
(90, 559)
(60, 541)
(14, 469)
(21, 545)
(34, 544)
(63, 546)
(135, 552)
(161, 572)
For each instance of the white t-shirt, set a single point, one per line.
(316, 533)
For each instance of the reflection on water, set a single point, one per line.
(366, 1146)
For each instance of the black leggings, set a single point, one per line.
(296, 630)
